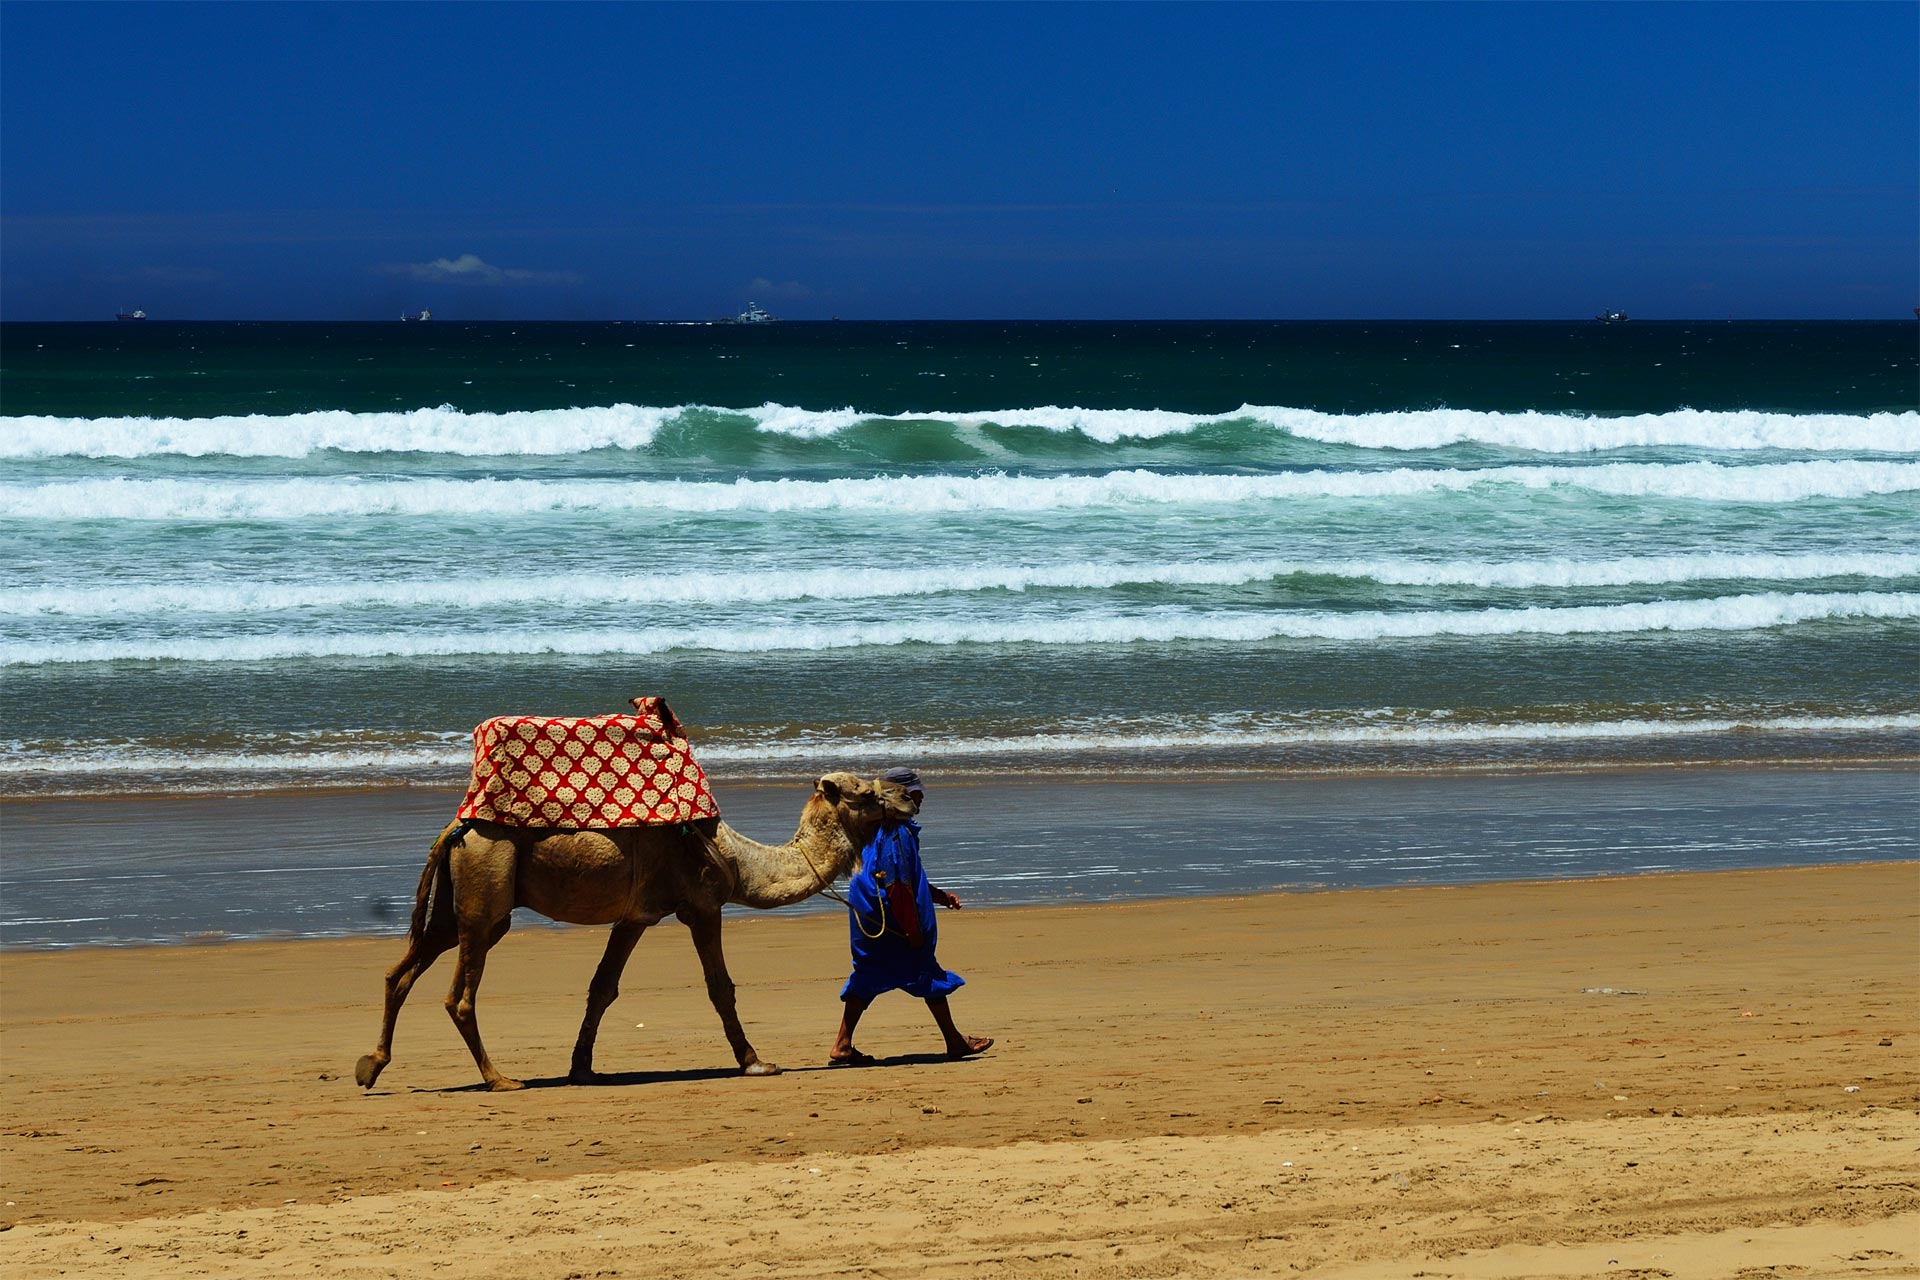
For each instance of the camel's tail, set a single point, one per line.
(436, 879)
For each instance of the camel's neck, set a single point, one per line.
(781, 875)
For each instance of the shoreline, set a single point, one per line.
(738, 917)
(1105, 772)
(1454, 1072)
(203, 868)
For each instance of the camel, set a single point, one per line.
(631, 878)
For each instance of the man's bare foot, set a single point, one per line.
(968, 1046)
(850, 1058)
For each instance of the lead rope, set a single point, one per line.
(827, 888)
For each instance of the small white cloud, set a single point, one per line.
(781, 291)
(469, 268)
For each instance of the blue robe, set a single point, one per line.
(890, 962)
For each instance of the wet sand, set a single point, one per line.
(1685, 1075)
(314, 863)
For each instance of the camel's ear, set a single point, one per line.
(829, 789)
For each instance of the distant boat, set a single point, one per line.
(424, 315)
(135, 314)
(1612, 317)
(753, 315)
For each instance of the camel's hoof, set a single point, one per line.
(585, 1075)
(366, 1071)
(759, 1069)
(502, 1085)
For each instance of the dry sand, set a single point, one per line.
(1685, 1075)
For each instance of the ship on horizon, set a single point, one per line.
(135, 314)
(752, 315)
(1612, 317)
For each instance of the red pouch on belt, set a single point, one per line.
(903, 909)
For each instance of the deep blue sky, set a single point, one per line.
(1281, 160)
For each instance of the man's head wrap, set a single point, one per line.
(907, 778)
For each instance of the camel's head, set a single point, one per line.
(854, 802)
(899, 803)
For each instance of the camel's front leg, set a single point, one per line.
(705, 927)
(603, 991)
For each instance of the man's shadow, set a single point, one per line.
(895, 1060)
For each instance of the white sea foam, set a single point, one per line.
(1725, 613)
(1393, 734)
(258, 435)
(1531, 430)
(775, 584)
(264, 759)
(555, 432)
(1561, 433)
(452, 752)
(122, 498)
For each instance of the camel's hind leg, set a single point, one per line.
(474, 945)
(422, 951)
(705, 927)
(603, 991)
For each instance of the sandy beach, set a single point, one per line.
(1684, 1075)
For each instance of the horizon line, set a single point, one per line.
(729, 323)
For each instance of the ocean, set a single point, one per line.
(271, 557)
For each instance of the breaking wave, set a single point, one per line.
(561, 432)
(288, 756)
(121, 498)
(1725, 613)
(583, 590)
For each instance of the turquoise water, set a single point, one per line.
(263, 556)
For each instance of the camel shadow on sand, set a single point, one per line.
(605, 1080)
(628, 1079)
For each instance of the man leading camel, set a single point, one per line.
(891, 925)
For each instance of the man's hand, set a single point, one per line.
(944, 899)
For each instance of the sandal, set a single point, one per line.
(854, 1059)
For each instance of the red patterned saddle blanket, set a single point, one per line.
(599, 772)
